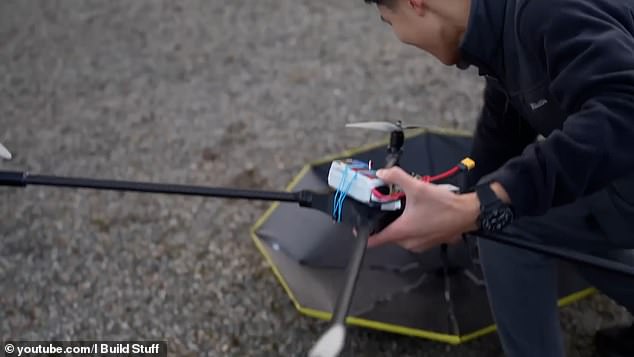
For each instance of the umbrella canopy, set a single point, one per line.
(437, 294)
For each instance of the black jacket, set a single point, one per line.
(563, 69)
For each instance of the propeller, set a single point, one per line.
(382, 125)
(397, 137)
(4, 153)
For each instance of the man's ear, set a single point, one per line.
(418, 6)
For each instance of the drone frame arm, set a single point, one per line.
(23, 179)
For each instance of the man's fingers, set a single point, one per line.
(417, 245)
(393, 232)
(396, 175)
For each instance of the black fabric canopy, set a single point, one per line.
(436, 295)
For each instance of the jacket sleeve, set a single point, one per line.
(589, 56)
(500, 134)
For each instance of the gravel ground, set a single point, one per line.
(238, 93)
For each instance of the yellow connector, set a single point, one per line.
(468, 163)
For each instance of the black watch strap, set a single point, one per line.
(494, 213)
(487, 197)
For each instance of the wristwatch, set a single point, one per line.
(494, 213)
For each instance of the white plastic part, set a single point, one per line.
(330, 343)
(355, 178)
(4, 153)
(391, 206)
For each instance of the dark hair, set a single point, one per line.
(381, 2)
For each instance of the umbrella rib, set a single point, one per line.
(451, 314)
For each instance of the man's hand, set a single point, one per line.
(432, 215)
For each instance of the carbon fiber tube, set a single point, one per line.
(14, 178)
(344, 301)
(565, 254)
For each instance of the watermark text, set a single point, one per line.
(86, 348)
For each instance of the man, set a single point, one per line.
(560, 68)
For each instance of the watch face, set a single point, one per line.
(497, 219)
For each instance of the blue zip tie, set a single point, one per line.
(345, 193)
(338, 192)
(341, 196)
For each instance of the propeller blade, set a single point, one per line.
(375, 125)
(330, 343)
(382, 126)
(4, 153)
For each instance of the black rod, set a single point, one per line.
(14, 178)
(559, 252)
(346, 294)
(304, 198)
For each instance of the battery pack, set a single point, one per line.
(358, 181)
(356, 178)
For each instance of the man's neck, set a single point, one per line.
(454, 13)
(455, 16)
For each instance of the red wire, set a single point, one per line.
(445, 174)
(387, 198)
(426, 178)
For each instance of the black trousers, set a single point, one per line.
(522, 285)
